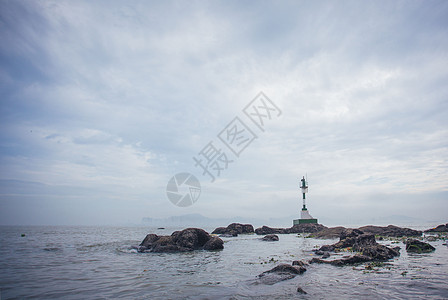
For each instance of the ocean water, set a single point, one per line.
(99, 263)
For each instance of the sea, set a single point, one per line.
(74, 262)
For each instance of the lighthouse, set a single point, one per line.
(305, 216)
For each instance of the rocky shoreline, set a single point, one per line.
(360, 242)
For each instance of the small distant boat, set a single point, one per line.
(161, 228)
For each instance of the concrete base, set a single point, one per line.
(304, 221)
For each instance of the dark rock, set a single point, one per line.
(305, 228)
(358, 241)
(299, 228)
(301, 291)
(285, 268)
(391, 231)
(234, 229)
(149, 240)
(299, 263)
(354, 259)
(349, 233)
(280, 273)
(329, 233)
(440, 228)
(324, 254)
(214, 243)
(180, 241)
(268, 230)
(270, 238)
(220, 230)
(380, 252)
(326, 248)
(418, 246)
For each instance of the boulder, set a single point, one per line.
(234, 229)
(214, 243)
(299, 228)
(358, 241)
(268, 230)
(417, 246)
(391, 231)
(354, 259)
(181, 241)
(270, 238)
(305, 228)
(329, 233)
(280, 273)
(440, 228)
(299, 263)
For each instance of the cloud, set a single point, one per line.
(113, 99)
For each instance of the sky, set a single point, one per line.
(103, 102)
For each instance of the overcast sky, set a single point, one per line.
(102, 102)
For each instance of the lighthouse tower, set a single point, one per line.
(305, 216)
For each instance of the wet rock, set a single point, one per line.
(391, 231)
(301, 291)
(329, 233)
(431, 238)
(299, 263)
(268, 230)
(149, 240)
(214, 243)
(234, 229)
(354, 259)
(324, 254)
(440, 228)
(417, 246)
(280, 273)
(305, 228)
(326, 248)
(181, 241)
(220, 230)
(360, 242)
(299, 228)
(270, 238)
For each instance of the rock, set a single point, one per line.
(326, 248)
(329, 233)
(324, 254)
(417, 246)
(280, 273)
(214, 243)
(285, 268)
(234, 229)
(301, 291)
(440, 228)
(354, 259)
(358, 241)
(149, 240)
(391, 231)
(180, 241)
(305, 228)
(431, 238)
(299, 228)
(270, 238)
(299, 263)
(268, 230)
(220, 230)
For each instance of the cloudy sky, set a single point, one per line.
(102, 102)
